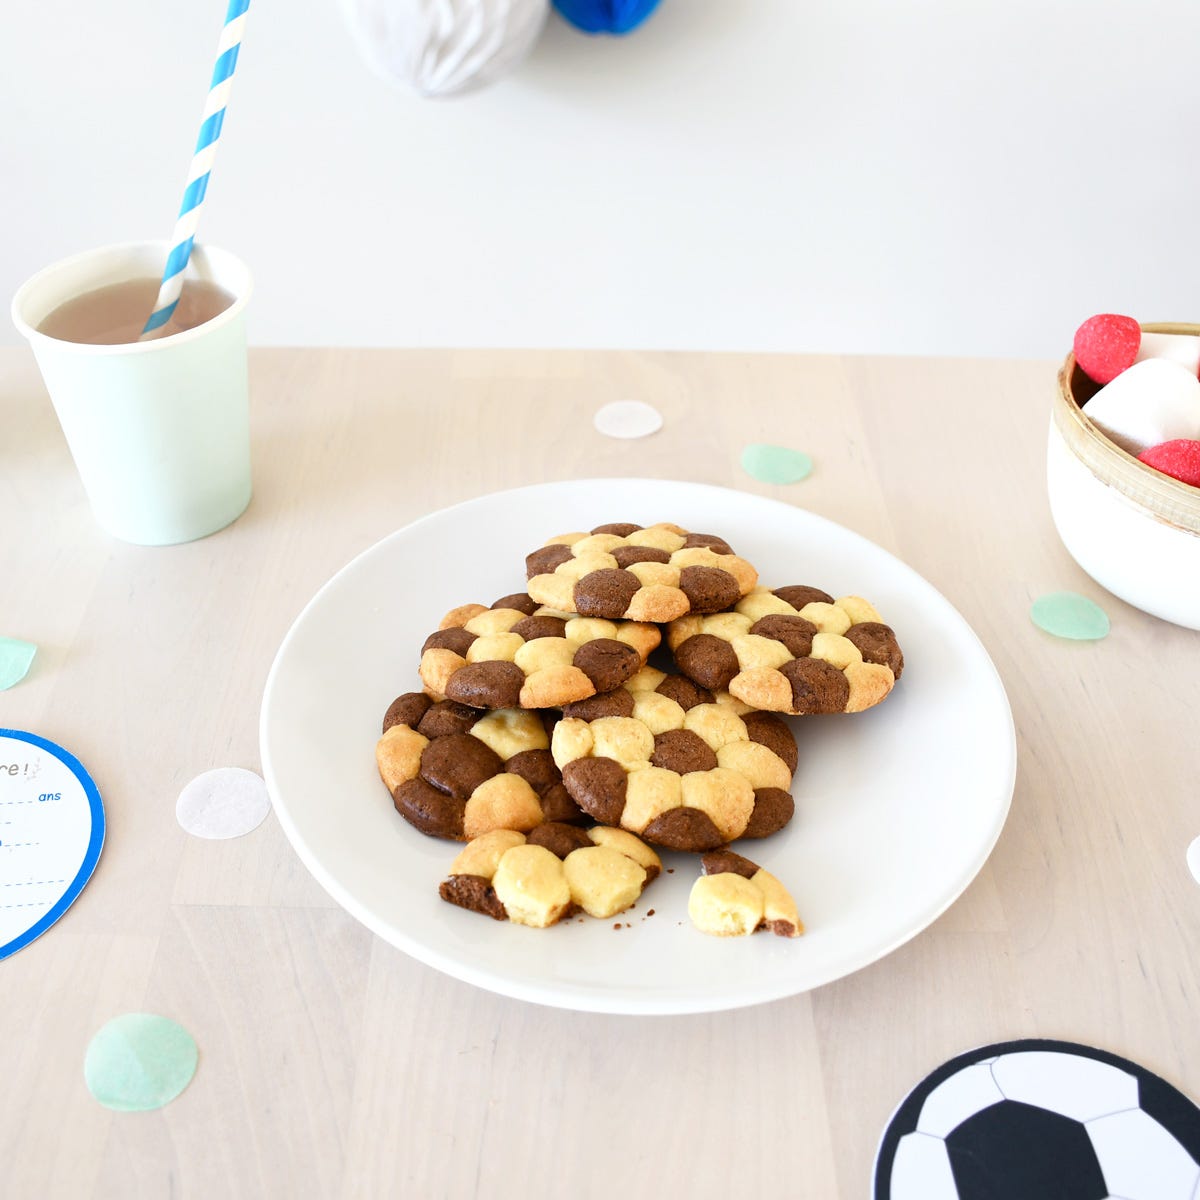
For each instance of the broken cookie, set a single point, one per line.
(734, 897)
(555, 871)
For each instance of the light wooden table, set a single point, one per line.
(334, 1066)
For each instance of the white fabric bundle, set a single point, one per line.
(439, 47)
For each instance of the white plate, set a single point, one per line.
(897, 807)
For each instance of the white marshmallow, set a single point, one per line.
(1153, 401)
(1183, 348)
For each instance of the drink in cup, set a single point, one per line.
(158, 428)
(115, 315)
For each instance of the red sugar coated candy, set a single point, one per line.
(1106, 344)
(1179, 458)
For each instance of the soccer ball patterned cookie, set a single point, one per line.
(552, 873)
(677, 770)
(455, 772)
(650, 695)
(735, 896)
(519, 655)
(793, 650)
(655, 573)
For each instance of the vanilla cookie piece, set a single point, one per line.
(674, 768)
(734, 897)
(554, 872)
(793, 650)
(603, 881)
(531, 885)
(517, 654)
(653, 573)
(456, 772)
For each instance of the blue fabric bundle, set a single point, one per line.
(606, 16)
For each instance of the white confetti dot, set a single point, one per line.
(224, 803)
(628, 419)
(1193, 859)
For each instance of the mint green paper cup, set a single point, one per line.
(159, 430)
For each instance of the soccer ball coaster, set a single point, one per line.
(1040, 1120)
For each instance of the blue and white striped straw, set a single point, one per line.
(201, 168)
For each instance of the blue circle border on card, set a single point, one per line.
(91, 854)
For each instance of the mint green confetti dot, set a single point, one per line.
(775, 464)
(138, 1062)
(1070, 615)
(16, 657)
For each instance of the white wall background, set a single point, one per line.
(936, 176)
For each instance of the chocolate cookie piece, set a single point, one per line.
(708, 661)
(458, 640)
(773, 732)
(597, 785)
(817, 686)
(793, 650)
(684, 829)
(626, 556)
(794, 632)
(878, 645)
(508, 657)
(427, 809)
(773, 809)
(521, 601)
(446, 718)
(604, 591)
(553, 873)
(533, 628)
(681, 751)
(648, 691)
(560, 839)
(608, 663)
(618, 703)
(406, 710)
(458, 764)
(656, 573)
(490, 684)
(684, 692)
(735, 896)
(461, 772)
(537, 768)
(709, 589)
(690, 778)
(473, 892)
(717, 862)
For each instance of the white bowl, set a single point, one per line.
(1134, 530)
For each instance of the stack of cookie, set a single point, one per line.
(543, 733)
